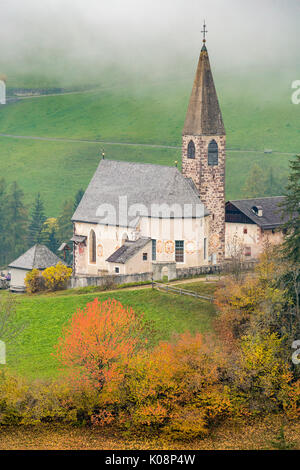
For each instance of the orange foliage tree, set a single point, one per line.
(98, 342)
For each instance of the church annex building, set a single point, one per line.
(139, 218)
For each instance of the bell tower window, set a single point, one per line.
(191, 150)
(213, 153)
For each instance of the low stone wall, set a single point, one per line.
(181, 273)
(105, 281)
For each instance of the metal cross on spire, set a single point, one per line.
(204, 32)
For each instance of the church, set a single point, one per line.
(141, 218)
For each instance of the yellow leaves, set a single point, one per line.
(56, 276)
(33, 281)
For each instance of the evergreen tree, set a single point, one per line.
(3, 222)
(78, 198)
(65, 227)
(291, 207)
(52, 242)
(255, 184)
(17, 223)
(49, 234)
(274, 185)
(37, 221)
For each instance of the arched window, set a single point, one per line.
(92, 243)
(213, 153)
(191, 149)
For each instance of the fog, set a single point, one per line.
(142, 37)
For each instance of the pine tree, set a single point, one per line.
(3, 221)
(65, 228)
(17, 222)
(37, 221)
(274, 185)
(255, 184)
(49, 234)
(78, 198)
(291, 207)
(52, 243)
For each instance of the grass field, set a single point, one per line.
(58, 169)
(146, 114)
(44, 316)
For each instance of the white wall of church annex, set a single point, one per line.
(2, 92)
(165, 231)
(251, 239)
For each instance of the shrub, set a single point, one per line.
(174, 390)
(56, 276)
(259, 376)
(34, 282)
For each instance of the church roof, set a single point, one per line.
(151, 190)
(128, 250)
(204, 115)
(37, 257)
(272, 214)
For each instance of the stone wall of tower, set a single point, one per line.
(210, 182)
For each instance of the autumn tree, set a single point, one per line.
(99, 340)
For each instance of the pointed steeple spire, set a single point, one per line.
(204, 115)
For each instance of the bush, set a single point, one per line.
(56, 277)
(34, 282)
(174, 390)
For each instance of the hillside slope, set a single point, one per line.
(144, 114)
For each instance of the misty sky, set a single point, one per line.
(153, 36)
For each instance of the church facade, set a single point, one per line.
(135, 217)
(139, 218)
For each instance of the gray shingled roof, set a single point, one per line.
(272, 213)
(143, 184)
(128, 250)
(204, 115)
(37, 257)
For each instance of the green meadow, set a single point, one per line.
(43, 317)
(257, 116)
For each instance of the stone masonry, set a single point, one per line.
(210, 182)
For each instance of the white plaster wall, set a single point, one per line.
(164, 231)
(167, 231)
(136, 264)
(254, 239)
(17, 277)
(108, 240)
(2, 92)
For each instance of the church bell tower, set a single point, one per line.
(203, 151)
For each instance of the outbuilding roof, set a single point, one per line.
(269, 208)
(37, 257)
(128, 250)
(120, 192)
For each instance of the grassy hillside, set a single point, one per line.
(45, 315)
(257, 116)
(155, 114)
(58, 169)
